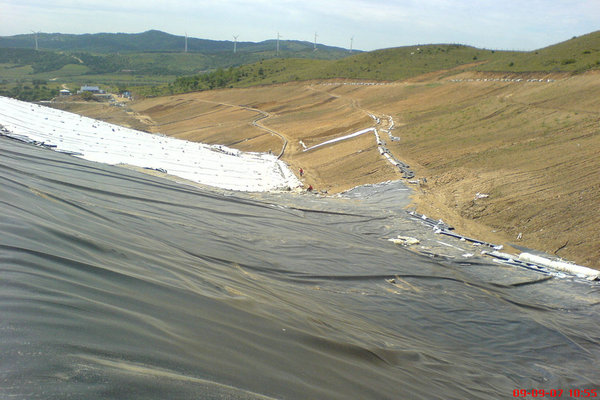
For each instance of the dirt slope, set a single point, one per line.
(297, 112)
(529, 148)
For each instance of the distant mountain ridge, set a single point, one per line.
(155, 41)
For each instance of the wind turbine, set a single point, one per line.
(278, 37)
(315, 46)
(235, 43)
(36, 39)
(185, 48)
(351, 40)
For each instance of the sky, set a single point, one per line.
(373, 24)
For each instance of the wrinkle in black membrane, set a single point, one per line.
(115, 284)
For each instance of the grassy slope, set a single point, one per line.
(389, 64)
(576, 55)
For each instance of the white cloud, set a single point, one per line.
(373, 23)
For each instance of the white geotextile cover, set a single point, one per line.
(99, 141)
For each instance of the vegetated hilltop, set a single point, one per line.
(151, 52)
(575, 55)
(387, 65)
(157, 41)
(124, 61)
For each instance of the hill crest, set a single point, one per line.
(148, 41)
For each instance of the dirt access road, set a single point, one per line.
(507, 158)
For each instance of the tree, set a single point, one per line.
(87, 96)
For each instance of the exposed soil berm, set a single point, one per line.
(531, 147)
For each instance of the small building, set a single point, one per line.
(91, 89)
(65, 92)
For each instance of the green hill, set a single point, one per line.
(150, 58)
(40, 61)
(407, 62)
(575, 55)
(386, 65)
(157, 41)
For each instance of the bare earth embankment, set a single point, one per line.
(528, 148)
